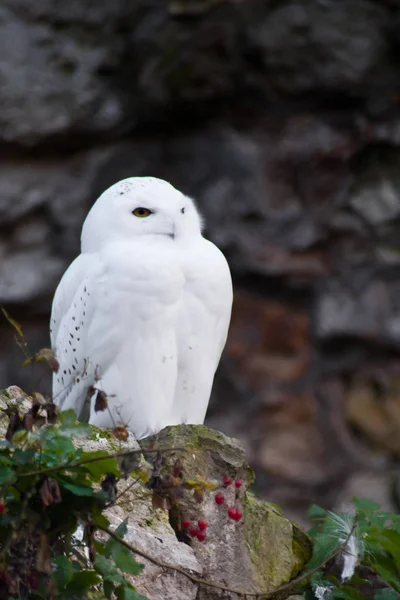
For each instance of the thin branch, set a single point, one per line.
(85, 461)
(199, 581)
(128, 487)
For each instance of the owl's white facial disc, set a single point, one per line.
(140, 206)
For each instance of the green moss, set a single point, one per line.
(302, 549)
(203, 449)
(278, 550)
(97, 433)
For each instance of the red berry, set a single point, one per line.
(201, 536)
(219, 498)
(226, 480)
(238, 483)
(193, 532)
(186, 523)
(202, 525)
(1, 507)
(238, 515)
(232, 512)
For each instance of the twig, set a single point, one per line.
(86, 461)
(199, 581)
(128, 487)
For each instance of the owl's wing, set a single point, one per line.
(202, 329)
(71, 315)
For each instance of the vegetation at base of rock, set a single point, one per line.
(45, 499)
(368, 564)
(49, 486)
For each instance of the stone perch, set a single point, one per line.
(258, 553)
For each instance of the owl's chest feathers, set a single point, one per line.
(161, 271)
(143, 276)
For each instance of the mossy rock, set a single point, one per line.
(260, 552)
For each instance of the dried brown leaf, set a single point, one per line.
(28, 421)
(121, 433)
(160, 502)
(50, 492)
(15, 424)
(101, 401)
(51, 411)
(48, 355)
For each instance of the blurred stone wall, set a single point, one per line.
(282, 118)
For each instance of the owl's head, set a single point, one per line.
(140, 206)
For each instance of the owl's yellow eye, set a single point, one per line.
(141, 212)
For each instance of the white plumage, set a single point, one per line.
(143, 312)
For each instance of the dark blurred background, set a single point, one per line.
(282, 118)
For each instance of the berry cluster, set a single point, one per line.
(198, 532)
(233, 513)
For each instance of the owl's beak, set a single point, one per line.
(171, 233)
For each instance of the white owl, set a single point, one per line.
(142, 313)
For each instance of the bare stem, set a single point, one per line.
(198, 580)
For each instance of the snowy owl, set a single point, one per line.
(142, 314)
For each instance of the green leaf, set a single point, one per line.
(7, 476)
(386, 594)
(125, 561)
(64, 572)
(386, 569)
(316, 512)
(5, 444)
(347, 593)
(365, 505)
(125, 592)
(122, 528)
(115, 578)
(113, 545)
(108, 588)
(83, 580)
(98, 468)
(103, 566)
(23, 457)
(78, 490)
(77, 430)
(19, 437)
(61, 447)
(324, 546)
(389, 540)
(99, 519)
(68, 418)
